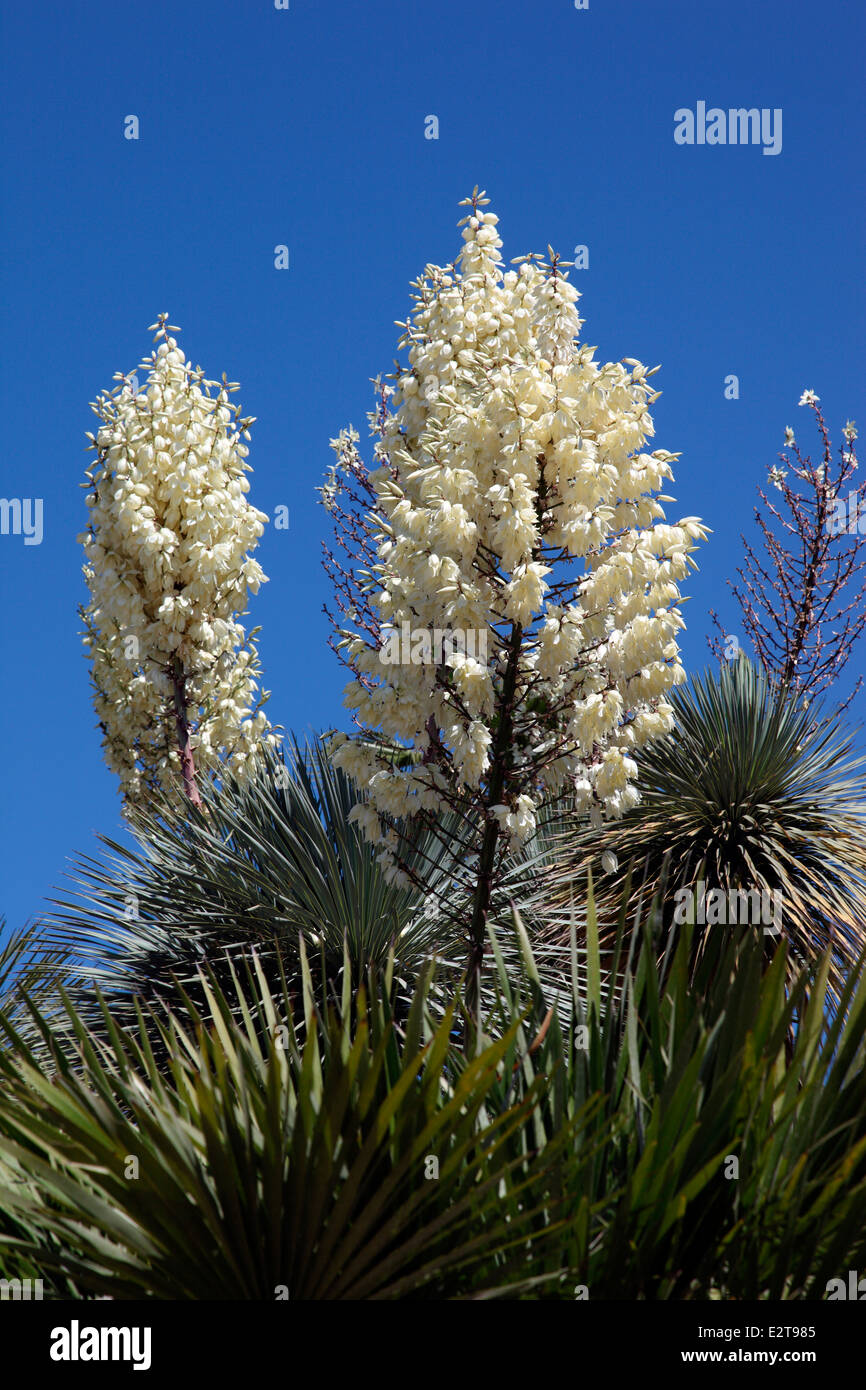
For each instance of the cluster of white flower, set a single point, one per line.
(516, 500)
(168, 570)
(777, 476)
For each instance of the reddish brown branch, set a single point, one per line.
(803, 603)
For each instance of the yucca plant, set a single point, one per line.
(271, 860)
(351, 1167)
(30, 975)
(33, 970)
(753, 790)
(30, 967)
(716, 1160)
(652, 1141)
(273, 857)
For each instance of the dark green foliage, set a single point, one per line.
(565, 1159)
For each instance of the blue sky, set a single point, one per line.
(305, 127)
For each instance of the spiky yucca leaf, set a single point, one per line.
(657, 1139)
(273, 859)
(752, 791)
(717, 1161)
(347, 1168)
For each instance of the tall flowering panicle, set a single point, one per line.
(349, 496)
(802, 593)
(513, 501)
(167, 563)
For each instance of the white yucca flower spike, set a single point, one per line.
(168, 566)
(510, 453)
(517, 506)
